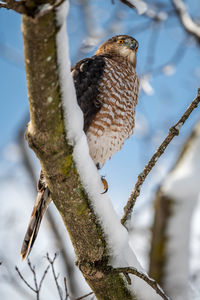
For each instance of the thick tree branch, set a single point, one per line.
(174, 130)
(18, 6)
(47, 137)
(31, 8)
(188, 23)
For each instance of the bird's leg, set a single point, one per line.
(104, 181)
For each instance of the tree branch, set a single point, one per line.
(51, 261)
(46, 135)
(31, 8)
(37, 288)
(146, 278)
(83, 297)
(173, 131)
(188, 23)
(17, 6)
(174, 205)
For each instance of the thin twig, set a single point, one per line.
(66, 290)
(128, 3)
(24, 280)
(43, 277)
(51, 261)
(32, 268)
(174, 130)
(36, 289)
(82, 297)
(146, 278)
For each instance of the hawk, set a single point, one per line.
(107, 90)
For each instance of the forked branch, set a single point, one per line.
(173, 131)
(129, 270)
(37, 288)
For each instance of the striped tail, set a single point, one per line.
(42, 202)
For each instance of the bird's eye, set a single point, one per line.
(120, 42)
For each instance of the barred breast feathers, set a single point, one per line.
(114, 122)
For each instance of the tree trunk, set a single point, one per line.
(47, 137)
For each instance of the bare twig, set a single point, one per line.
(173, 131)
(24, 280)
(51, 261)
(66, 290)
(32, 268)
(128, 3)
(43, 277)
(82, 297)
(188, 23)
(38, 287)
(7, 276)
(129, 270)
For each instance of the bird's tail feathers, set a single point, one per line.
(40, 207)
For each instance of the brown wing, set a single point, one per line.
(87, 75)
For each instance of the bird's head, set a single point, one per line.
(120, 46)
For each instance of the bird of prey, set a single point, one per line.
(107, 91)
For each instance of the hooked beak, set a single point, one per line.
(134, 45)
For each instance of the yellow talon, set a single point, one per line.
(105, 184)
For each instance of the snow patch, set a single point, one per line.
(179, 125)
(182, 185)
(117, 236)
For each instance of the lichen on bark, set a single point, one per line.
(47, 137)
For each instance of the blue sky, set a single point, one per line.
(157, 112)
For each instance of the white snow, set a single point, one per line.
(179, 125)
(183, 186)
(117, 236)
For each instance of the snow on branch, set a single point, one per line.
(175, 204)
(139, 5)
(173, 131)
(18, 6)
(189, 24)
(24, 7)
(117, 239)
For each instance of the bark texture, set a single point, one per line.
(46, 136)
